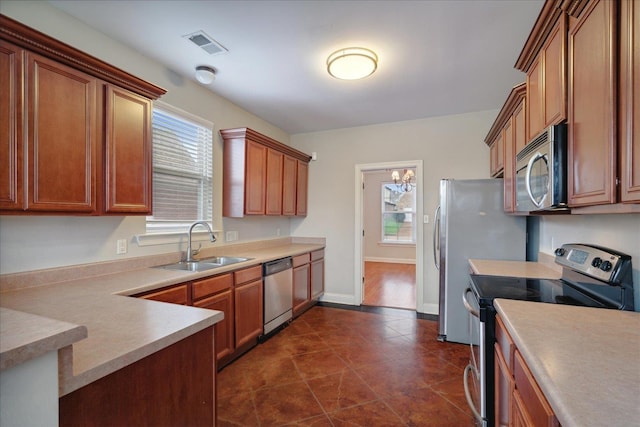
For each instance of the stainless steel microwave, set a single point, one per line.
(541, 172)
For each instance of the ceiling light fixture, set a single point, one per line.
(404, 185)
(205, 75)
(352, 63)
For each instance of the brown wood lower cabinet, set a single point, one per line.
(248, 306)
(216, 293)
(301, 283)
(172, 387)
(519, 401)
(317, 274)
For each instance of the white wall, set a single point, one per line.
(29, 243)
(619, 232)
(450, 146)
(373, 248)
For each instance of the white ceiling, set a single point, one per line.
(436, 57)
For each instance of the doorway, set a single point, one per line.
(389, 241)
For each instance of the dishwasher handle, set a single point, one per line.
(276, 266)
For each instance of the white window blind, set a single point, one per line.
(182, 170)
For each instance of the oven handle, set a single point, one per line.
(467, 394)
(467, 305)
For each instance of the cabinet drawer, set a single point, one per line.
(301, 260)
(537, 407)
(211, 285)
(176, 295)
(316, 255)
(248, 274)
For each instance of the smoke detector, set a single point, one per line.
(206, 43)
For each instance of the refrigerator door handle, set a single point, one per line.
(436, 238)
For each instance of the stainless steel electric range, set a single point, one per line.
(592, 276)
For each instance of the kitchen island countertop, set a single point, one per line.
(119, 330)
(585, 360)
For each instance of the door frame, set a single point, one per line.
(359, 226)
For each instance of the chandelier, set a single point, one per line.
(404, 184)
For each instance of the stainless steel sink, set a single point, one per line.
(203, 264)
(224, 260)
(189, 266)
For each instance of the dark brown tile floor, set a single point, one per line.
(336, 367)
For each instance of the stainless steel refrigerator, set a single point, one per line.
(470, 223)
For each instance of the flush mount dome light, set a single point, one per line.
(205, 75)
(352, 63)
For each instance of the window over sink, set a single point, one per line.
(182, 170)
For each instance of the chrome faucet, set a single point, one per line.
(211, 237)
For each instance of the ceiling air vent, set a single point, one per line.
(206, 43)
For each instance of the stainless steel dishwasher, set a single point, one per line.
(278, 293)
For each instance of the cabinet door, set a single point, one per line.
(554, 71)
(248, 312)
(592, 107)
(11, 143)
(534, 100)
(504, 387)
(629, 101)
(255, 178)
(317, 278)
(178, 294)
(224, 336)
(301, 188)
(496, 152)
(535, 405)
(62, 137)
(509, 167)
(128, 155)
(301, 288)
(289, 185)
(519, 128)
(274, 182)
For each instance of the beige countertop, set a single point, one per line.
(526, 269)
(120, 330)
(585, 360)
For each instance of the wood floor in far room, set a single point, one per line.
(390, 285)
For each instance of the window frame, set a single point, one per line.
(158, 227)
(386, 187)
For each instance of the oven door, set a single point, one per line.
(474, 374)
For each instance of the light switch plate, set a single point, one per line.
(121, 247)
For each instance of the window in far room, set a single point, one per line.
(182, 170)
(398, 214)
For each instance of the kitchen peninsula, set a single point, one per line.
(129, 337)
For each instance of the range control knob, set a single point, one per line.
(596, 262)
(605, 266)
(559, 252)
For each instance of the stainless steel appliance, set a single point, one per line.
(278, 293)
(541, 172)
(470, 223)
(592, 277)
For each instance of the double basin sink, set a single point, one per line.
(203, 264)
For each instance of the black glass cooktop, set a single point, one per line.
(538, 290)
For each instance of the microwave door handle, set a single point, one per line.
(468, 305)
(436, 238)
(527, 179)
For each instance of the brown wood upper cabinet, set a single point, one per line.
(544, 59)
(507, 133)
(86, 148)
(629, 112)
(262, 176)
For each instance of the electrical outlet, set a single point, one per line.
(277, 231)
(121, 247)
(231, 236)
